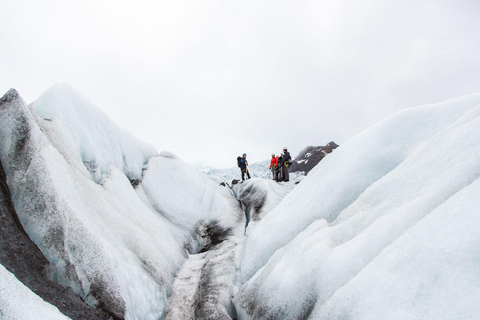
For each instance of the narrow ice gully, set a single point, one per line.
(384, 227)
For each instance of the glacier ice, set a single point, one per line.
(186, 196)
(384, 227)
(113, 242)
(17, 302)
(89, 134)
(379, 229)
(260, 196)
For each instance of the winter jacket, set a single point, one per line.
(243, 164)
(286, 157)
(280, 161)
(273, 162)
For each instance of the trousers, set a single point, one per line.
(285, 174)
(243, 174)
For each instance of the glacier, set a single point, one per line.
(382, 228)
(104, 235)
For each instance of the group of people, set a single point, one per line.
(278, 165)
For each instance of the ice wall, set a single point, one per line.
(259, 197)
(118, 246)
(382, 228)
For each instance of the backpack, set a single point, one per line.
(239, 164)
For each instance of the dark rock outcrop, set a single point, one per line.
(20, 256)
(309, 157)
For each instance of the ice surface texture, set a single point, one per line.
(116, 246)
(96, 139)
(17, 302)
(259, 197)
(186, 196)
(383, 228)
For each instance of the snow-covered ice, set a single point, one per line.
(17, 302)
(187, 197)
(382, 228)
(89, 134)
(256, 170)
(115, 245)
(260, 196)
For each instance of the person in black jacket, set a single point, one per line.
(279, 168)
(243, 166)
(285, 164)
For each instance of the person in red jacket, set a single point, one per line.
(273, 165)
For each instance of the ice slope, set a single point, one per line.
(117, 246)
(189, 198)
(20, 256)
(383, 228)
(97, 237)
(260, 196)
(92, 136)
(17, 302)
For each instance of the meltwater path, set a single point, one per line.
(205, 286)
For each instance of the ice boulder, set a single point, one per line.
(383, 228)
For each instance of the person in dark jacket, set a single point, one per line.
(279, 167)
(243, 166)
(285, 164)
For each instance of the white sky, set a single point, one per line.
(210, 80)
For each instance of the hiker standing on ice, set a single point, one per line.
(279, 167)
(285, 164)
(273, 164)
(243, 166)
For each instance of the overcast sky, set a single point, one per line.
(210, 80)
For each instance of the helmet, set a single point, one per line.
(244, 154)
(285, 148)
(273, 154)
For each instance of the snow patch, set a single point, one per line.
(14, 294)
